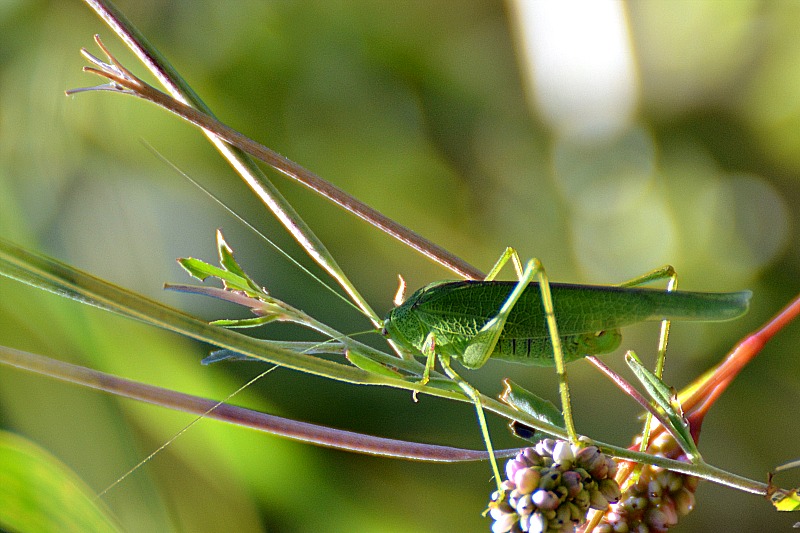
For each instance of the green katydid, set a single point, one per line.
(539, 323)
(588, 317)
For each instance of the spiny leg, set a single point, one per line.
(664, 272)
(480, 347)
(509, 253)
(483, 350)
(558, 352)
(429, 351)
(428, 347)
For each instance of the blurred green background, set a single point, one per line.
(420, 110)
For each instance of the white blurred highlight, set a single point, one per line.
(577, 58)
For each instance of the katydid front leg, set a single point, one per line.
(429, 351)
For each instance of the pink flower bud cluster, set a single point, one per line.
(551, 487)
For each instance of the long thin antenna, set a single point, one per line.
(186, 428)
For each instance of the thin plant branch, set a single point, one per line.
(124, 82)
(240, 416)
(630, 391)
(180, 90)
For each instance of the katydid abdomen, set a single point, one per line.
(588, 316)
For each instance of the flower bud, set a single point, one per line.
(589, 457)
(538, 523)
(582, 499)
(684, 501)
(504, 524)
(654, 491)
(531, 457)
(545, 499)
(545, 447)
(572, 481)
(597, 500)
(550, 478)
(563, 518)
(656, 519)
(527, 479)
(609, 489)
(562, 453)
(547, 491)
(512, 466)
(525, 505)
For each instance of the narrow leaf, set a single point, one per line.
(229, 263)
(529, 403)
(202, 271)
(244, 322)
(666, 399)
(371, 366)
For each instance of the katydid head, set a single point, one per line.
(403, 324)
(400, 326)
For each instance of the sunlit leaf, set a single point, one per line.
(786, 501)
(667, 401)
(227, 261)
(531, 404)
(38, 493)
(201, 270)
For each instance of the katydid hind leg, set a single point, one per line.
(480, 347)
(667, 272)
(509, 253)
(558, 352)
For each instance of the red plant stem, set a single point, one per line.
(697, 399)
(717, 379)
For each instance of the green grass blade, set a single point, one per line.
(51, 275)
(40, 494)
